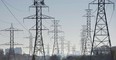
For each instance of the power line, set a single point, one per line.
(111, 17)
(14, 16)
(12, 6)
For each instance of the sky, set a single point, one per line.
(69, 12)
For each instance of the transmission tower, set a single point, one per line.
(101, 35)
(83, 40)
(62, 45)
(48, 50)
(68, 47)
(55, 31)
(11, 55)
(74, 50)
(88, 41)
(39, 16)
(30, 43)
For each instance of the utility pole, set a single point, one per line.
(11, 55)
(83, 40)
(88, 41)
(55, 31)
(39, 16)
(101, 35)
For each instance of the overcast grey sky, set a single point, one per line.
(69, 12)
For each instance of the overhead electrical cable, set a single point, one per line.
(14, 16)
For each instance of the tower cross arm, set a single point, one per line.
(57, 31)
(11, 29)
(95, 2)
(106, 2)
(9, 43)
(43, 17)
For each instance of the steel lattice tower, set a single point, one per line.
(88, 41)
(68, 48)
(11, 55)
(62, 45)
(39, 16)
(101, 35)
(55, 31)
(30, 43)
(74, 50)
(48, 50)
(83, 40)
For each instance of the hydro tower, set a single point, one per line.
(39, 16)
(101, 44)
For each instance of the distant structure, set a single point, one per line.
(101, 35)
(55, 31)
(1, 51)
(39, 16)
(88, 40)
(68, 48)
(48, 50)
(17, 50)
(1, 54)
(11, 55)
(83, 40)
(62, 45)
(74, 50)
(30, 43)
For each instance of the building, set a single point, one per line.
(18, 50)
